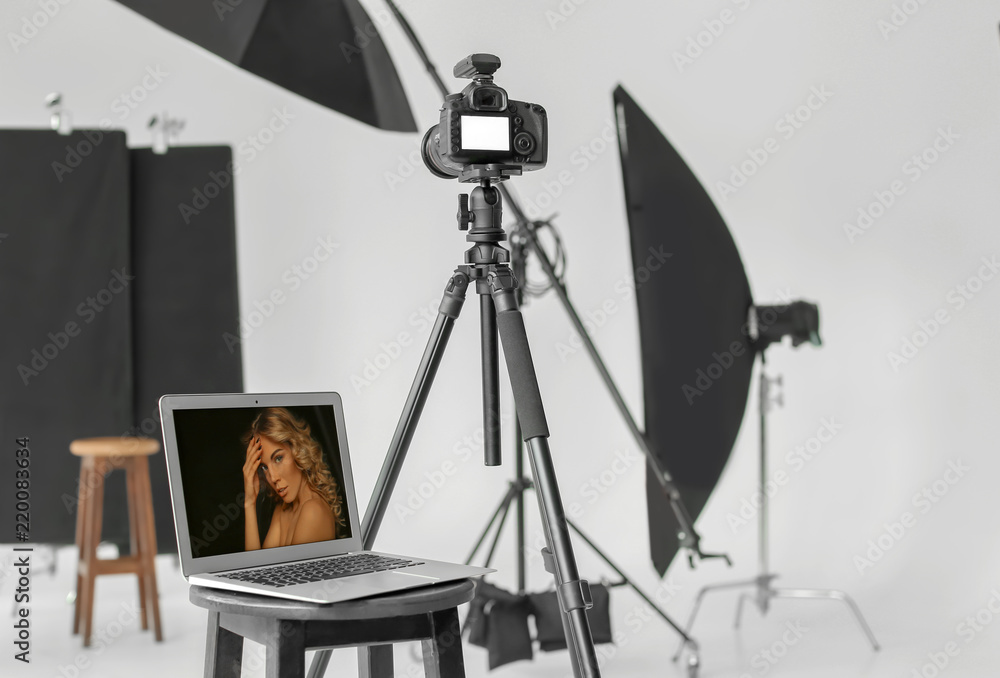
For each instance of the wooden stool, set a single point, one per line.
(99, 456)
(288, 628)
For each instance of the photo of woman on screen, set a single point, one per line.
(308, 503)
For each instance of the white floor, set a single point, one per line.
(797, 638)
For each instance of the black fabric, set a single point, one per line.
(328, 51)
(693, 298)
(548, 618)
(185, 299)
(64, 270)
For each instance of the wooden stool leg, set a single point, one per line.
(443, 652)
(286, 649)
(147, 543)
(132, 492)
(82, 492)
(92, 537)
(223, 651)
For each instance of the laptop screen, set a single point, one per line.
(261, 478)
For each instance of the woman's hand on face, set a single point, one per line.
(251, 480)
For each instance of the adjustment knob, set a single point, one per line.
(464, 216)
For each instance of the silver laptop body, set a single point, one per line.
(203, 442)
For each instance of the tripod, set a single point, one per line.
(763, 584)
(486, 266)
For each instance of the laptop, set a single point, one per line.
(263, 500)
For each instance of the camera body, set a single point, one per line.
(482, 126)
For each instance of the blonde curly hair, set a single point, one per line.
(281, 426)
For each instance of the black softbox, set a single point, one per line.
(696, 356)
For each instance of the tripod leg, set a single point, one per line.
(573, 593)
(451, 305)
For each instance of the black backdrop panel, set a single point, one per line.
(696, 360)
(185, 300)
(65, 303)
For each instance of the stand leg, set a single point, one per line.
(697, 605)
(831, 594)
(685, 638)
(502, 509)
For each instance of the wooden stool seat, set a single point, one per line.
(114, 447)
(288, 628)
(98, 457)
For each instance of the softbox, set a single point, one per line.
(696, 357)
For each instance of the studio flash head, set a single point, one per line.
(481, 128)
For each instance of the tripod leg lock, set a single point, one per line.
(575, 595)
(572, 595)
(454, 295)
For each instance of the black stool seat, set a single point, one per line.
(287, 628)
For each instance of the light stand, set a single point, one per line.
(763, 587)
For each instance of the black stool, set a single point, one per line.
(288, 628)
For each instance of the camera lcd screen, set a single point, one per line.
(485, 133)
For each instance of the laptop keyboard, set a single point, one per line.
(319, 570)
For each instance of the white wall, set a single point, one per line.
(327, 176)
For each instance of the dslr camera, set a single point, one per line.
(481, 129)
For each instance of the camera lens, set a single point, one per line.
(524, 143)
(432, 158)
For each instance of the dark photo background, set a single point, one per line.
(211, 456)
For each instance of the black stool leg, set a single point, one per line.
(375, 661)
(223, 651)
(443, 651)
(286, 649)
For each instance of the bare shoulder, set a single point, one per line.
(315, 522)
(315, 508)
